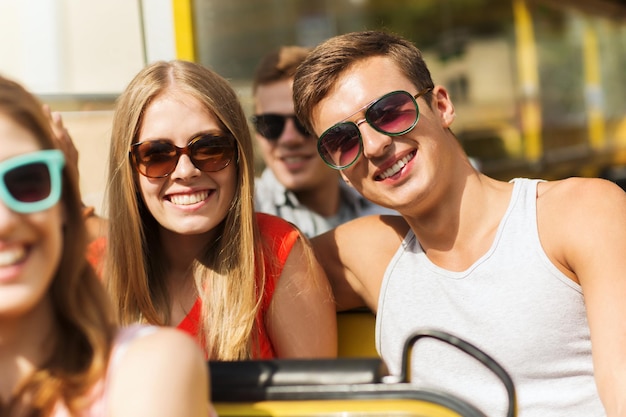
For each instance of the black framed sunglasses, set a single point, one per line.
(393, 114)
(158, 158)
(271, 126)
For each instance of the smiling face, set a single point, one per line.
(30, 244)
(188, 201)
(293, 156)
(392, 171)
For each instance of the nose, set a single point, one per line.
(185, 169)
(374, 142)
(291, 135)
(7, 218)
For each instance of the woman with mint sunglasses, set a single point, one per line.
(61, 351)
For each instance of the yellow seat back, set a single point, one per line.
(356, 334)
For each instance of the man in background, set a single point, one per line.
(296, 184)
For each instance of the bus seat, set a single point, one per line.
(356, 334)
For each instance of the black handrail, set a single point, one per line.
(468, 348)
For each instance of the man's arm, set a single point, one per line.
(355, 256)
(583, 228)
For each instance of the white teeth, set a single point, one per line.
(293, 160)
(11, 256)
(395, 168)
(187, 199)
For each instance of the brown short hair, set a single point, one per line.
(278, 65)
(317, 75)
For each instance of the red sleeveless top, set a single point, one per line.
(280, 236)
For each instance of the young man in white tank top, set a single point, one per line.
(532, 272)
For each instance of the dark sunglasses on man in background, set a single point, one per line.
(32, 182)
(271, 126)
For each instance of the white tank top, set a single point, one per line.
(512, 303)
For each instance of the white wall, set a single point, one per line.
(78, 48)
(71, 46)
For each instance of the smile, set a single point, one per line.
(395, 168)
(12, 256)
(188, 199)
(294, 159)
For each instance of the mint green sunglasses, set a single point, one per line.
(32, 182)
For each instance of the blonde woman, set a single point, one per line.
(185, 247)
(61, 352)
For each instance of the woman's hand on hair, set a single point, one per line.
(62, 138)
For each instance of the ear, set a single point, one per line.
(444, 106)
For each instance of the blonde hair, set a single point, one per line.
(225, 273)
(83, 315)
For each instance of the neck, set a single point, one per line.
(462, 226)
(180, 251)
(321, 200)
(26, 343)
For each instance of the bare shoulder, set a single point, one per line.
(363, 236)
(355, 256)
(162, 342)
(166, 350)
(576, 184)
(372, 229)
(160, 374)
(580, 195)
(162, 351)
(578, 217)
